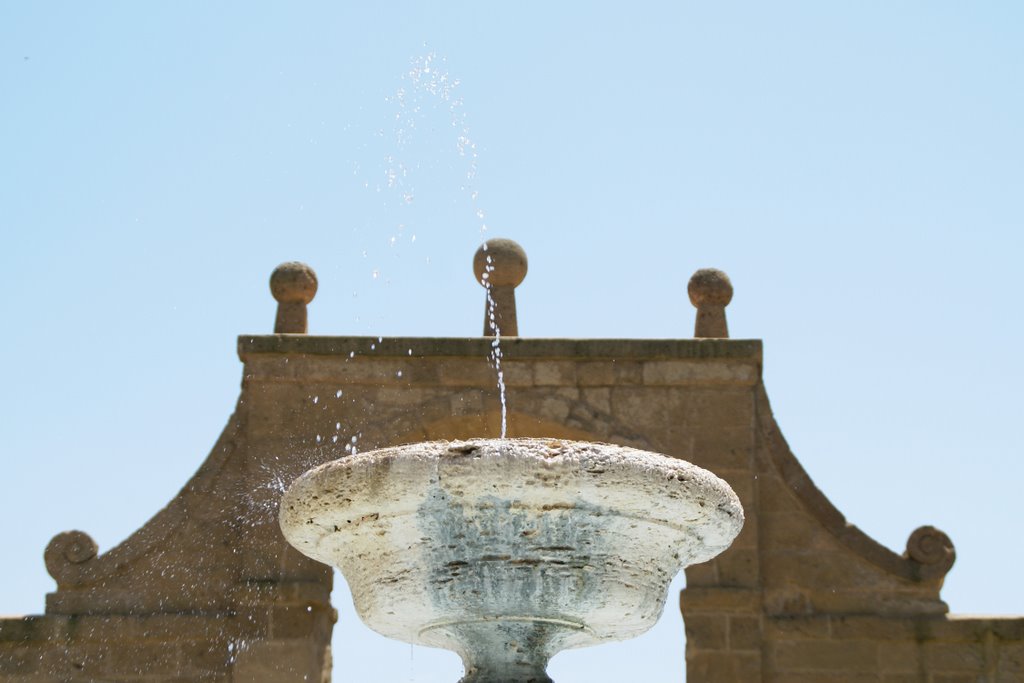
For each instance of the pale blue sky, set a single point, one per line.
(856, 168)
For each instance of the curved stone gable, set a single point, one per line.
(209, 590)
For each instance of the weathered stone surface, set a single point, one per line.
(477, 544)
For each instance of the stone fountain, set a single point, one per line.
(509, 550)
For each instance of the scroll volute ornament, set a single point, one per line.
(69, 556)
(931, 551)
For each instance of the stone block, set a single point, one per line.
(880, 597)
(628, 372)
(739, 567)
(595, 374)
(895, 657)
(290, 661)
(792, 531)
(723, 667)
(797, 628)
(822, 571)
(776, 496)
(600, 398)
(697, 600)
(517, 373)
(1010, 658)
(788, 602)
(848, 657)
(698, 372)
(706, 632)
(460, 373)
(32, 629)
(954, 657)
(206, 658)
(19, 659)
(744, 633)
(703, 574)
(728, 449)
(554, 373)
(101, 661)
(958, 628)
(299, 621)
(467, 402)
(855, 627)
(825, 677)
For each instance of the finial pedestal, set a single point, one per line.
(710, 292)
(293, 285)
(499, 266)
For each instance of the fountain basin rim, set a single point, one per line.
(526, 474)
(683, 525)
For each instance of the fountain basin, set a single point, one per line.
(509, 550)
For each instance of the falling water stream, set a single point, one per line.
(495, 352)
(426, 89)
(427, 77)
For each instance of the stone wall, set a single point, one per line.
(208, 589)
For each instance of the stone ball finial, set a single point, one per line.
(500, 265)
(710, 291)
(507, 267)
(709, 287)
(293, 282)
(293, 285)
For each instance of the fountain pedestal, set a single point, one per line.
(508, 551)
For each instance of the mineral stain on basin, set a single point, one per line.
(509, 550)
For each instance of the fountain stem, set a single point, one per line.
(511, 668)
